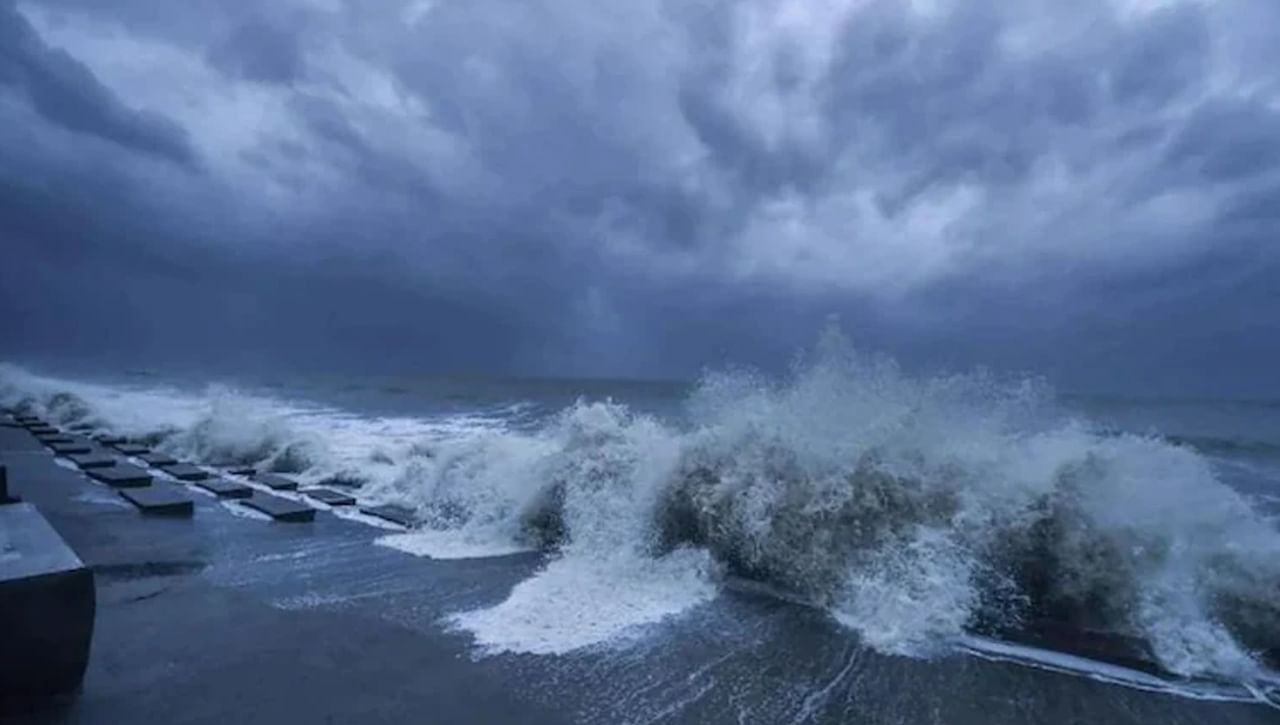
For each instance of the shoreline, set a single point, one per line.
(223, 618)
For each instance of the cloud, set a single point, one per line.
(260, 51)
(651, 187)
(67, 93)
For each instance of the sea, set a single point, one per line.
(916, 519)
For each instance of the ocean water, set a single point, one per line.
(926, 515)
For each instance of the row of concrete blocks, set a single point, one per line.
(47, 595)
(97, 460)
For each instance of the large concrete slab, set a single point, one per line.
(121, 475)
(280, 509)
(71, 448)
(157, 459)
(395, 514)
(224, 488)
(330, 497)
(110, 439)
(238, 470)
(50, 438)
(131, 449)
(159, 500)
(185, 472)
(42, 429)
(92, 459)
(47, 604)
(276, 482)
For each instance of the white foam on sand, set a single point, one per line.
(582, 602)
(1064, 663)
(351, 513)
(238, 509)
(101, 497)
(449, 545)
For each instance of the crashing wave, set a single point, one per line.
(917, 510)
(222, 425)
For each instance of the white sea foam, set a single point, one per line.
(579, 602)
(451, 545)
(995, 650)
(244, 512)
(220, 424)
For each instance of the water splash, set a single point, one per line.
(916, 509)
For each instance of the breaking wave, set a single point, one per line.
(916, 510)
(220, 424)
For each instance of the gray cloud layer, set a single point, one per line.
(1085, 189)
(65, 93)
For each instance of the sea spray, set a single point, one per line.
(601, 477)
(914, 508)
(220, 423)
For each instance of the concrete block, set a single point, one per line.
(47, 605)
(280, 509)
(395, 514)
(276, 482)
(157, 459)
(159, 501)
(225, 489)
(121, 475)
(185, 472)
(331, 497)
(74, 447)
(5, 496)
(236, 470)
(92, 459)
(42, 429)
(51, 438)
(131, 449)
(110, 439)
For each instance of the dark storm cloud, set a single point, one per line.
(260, 51)
(646, 188)
(1227, 140)
(66, 93)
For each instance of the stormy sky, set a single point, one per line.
(1087, 190)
